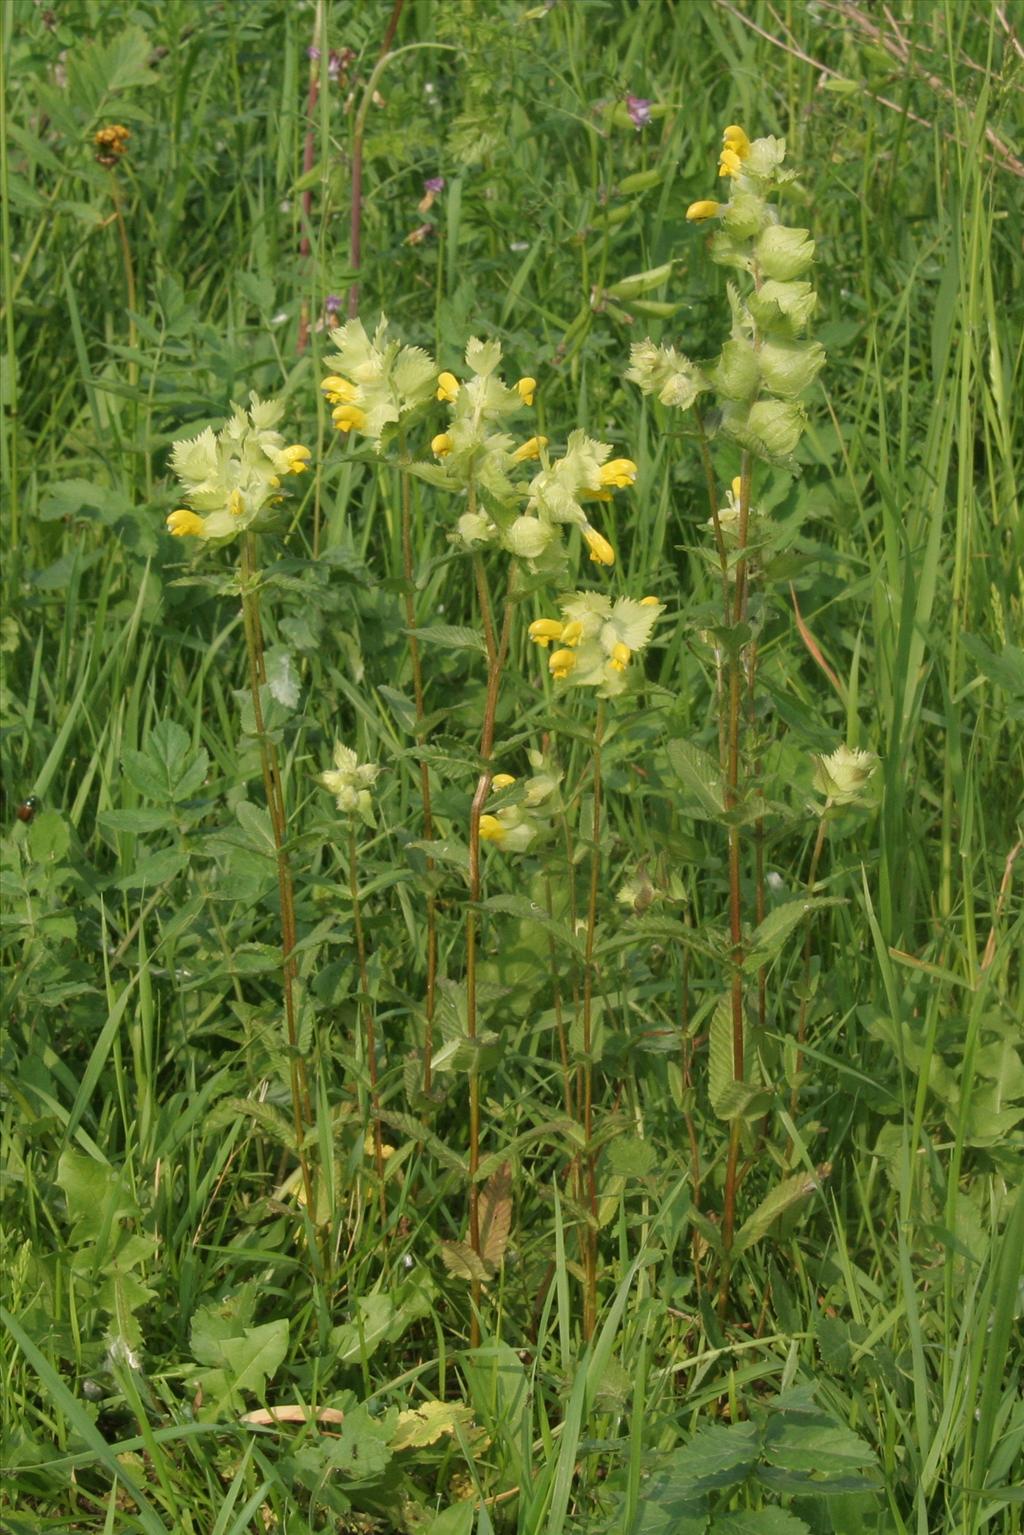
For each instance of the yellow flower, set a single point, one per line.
(491, 829)
(502, 781)
(572, 632)
(441, 444)
(543, 630)
(729, 163)
(734, 138)
(525, 389)
(348, 418)
(650, 602)
(385, 1150)
(561, 663)
(236, 504)
(529, 449)
(601, 551)
(184, 523)
(298, 458)
(447, 387)
(338, 390)
(704, 208)
(737, 482)
(620, 657)
(618, 472)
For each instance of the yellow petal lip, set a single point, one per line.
(618, 472)
(572, 632)
(441, 444)
(529, 449)
(561, 663)
(620, 657)
(348, 418)
(543, 630)
(503, 780)
(447, 387)
(729, 163)
(491, 829)
(525, 389)
(185, 524)
(704, 208)
(338, 390)
(735, 138)
(298, 458)
(601, 551)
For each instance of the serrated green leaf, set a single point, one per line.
(255, 1358)
(701, 775)
(449, 637)
(630, 1157)
(761, 1521)
(461, 1261)
(717, 1456)
(529, 911)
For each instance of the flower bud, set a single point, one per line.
(783, 253)
(843, 774)
(561, 663)
(778, 304)
(529, 449)
(527, 537)
(447, 387)
(441, 444)
(475, 528)
(525, 390)
(736, 374)
(790, 367)
(503, 781)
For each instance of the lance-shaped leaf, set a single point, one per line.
(701, 775)
(495, 1216)
(785, 1196)
(461, 1261)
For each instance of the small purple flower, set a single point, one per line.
(333, 65)
(333, 303)
(434, 184)
(639, 109)
(313, 53)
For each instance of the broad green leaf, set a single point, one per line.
(761, 1521)
(423, 1425)
(825, 1448)
(256, 1358)
(361, 1452)
(530, 911)
(358, 1339)
(154, 869)
(631, 1157)
(456, 1519)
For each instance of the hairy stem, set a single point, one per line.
(425, 799)
(590, 1248)
(302, 1113)
(366, 1011)
(496, 654)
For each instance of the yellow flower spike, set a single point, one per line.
(650, 602)
(441, 444)
(529, 449)
(348, 418)
(618, 472)
(543, 630)
(185, 524)
(561, 663)
(572, 632)
(734, 138)
(298, 458)
(338, 390)
(236, 504)
(447, 387)
(601, 551)
(705, 208)
(491, 830)
(503, 780)
(525, 389)
(620, 657)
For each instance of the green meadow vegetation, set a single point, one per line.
(512, 823)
